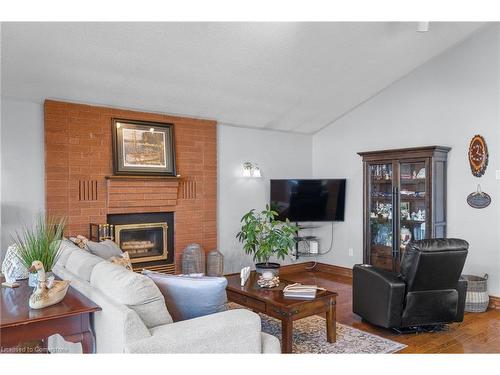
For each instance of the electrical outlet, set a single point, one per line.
(351, 252)
(497, 174)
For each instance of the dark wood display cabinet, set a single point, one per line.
(414, 181)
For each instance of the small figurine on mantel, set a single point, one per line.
(48, 292)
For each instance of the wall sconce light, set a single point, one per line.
(251, 170)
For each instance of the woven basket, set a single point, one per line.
(477, 299)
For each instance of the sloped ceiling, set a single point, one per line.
(287, 76)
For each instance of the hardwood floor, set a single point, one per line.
(478, 333)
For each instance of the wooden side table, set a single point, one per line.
(272, 302)
(70, 318)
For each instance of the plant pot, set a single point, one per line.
(268, 269)
(33, 278)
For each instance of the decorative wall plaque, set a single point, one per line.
(478, 155)
(478, 199)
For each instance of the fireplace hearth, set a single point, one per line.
(148, 238)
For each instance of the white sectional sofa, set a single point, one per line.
(134, 318)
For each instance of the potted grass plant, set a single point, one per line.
(264, 236)
(41, 242)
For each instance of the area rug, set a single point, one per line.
(309, 336)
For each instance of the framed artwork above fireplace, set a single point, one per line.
(143, 148)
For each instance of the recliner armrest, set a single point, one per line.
(377, 295)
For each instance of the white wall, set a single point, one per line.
(279, 155)
(444, 102)
(22, 166)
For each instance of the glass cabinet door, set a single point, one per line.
(380, 197)
(404, 199)
(413, 199)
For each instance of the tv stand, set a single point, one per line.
(311, 226)
(309, 243)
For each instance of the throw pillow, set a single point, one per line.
(189, 297)
(105, 249)
(80, 241)
(122, 260)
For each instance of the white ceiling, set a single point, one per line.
(287, 76)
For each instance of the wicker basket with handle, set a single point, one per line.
(477, 299)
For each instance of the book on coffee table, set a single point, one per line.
(299, 291)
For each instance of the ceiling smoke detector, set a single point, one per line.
(422, 27)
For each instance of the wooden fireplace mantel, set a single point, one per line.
(141, 177)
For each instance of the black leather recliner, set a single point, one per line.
(427, 292)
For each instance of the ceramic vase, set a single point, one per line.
(33, 278)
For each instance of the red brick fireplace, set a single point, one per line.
(79, 180)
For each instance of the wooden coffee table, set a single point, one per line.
(19, 323)
(272, 302)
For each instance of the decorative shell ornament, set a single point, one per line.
(47, 293)
(268, 283)
(12, 268)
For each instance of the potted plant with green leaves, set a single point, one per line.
(40, 242)
(264, 236)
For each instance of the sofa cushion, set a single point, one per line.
(190, 297)
(136, 291)
(105, 249)
(67, 247)
(81, 263)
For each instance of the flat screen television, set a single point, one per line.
(308, 200)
